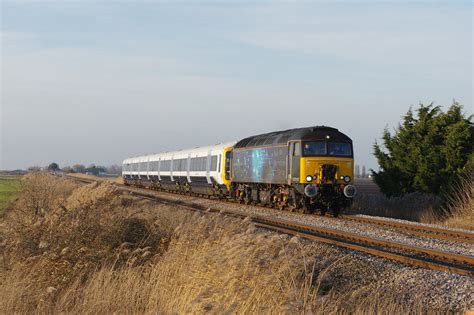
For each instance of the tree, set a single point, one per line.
(427, 152)
(114, 169)
(78, 168)
(68, 169)
(95, 170)
(53, 167)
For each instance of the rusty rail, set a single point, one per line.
(402, 253)
(420, 230)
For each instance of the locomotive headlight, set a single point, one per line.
(309, 178)
(347, 179)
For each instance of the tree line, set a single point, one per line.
(80, 168)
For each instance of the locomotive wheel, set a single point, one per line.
(304, 206)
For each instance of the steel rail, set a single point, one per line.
(421, 230)
(407, 254)
(403, 253)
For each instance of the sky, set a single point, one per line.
(99, 81)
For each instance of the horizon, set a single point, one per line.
(96, 83)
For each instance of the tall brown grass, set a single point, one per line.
(459, 209)
(456, 212)
(93, 250)
(413, 207)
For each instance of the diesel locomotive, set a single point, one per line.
(305, 169)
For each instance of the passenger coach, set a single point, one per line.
(201, 170)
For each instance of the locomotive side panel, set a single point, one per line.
(260, 165)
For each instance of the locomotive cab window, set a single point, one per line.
(314, 148)
(297, 151)
(339, 149)
(322, 148)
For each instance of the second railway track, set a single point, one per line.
(420, 230)
(403, 253)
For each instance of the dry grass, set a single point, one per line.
(114, 179)
(91, 250)
(460, 205)
(458, 212)
(414, 207)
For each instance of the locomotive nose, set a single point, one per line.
(328, 172)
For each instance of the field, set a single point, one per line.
(90, 249)
(9, 188)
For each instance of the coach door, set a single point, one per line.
(228, 159)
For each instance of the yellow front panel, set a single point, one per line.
(312, 166)
(223, 167)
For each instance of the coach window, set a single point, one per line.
(176, 165)
(213, 163)
(195, 163)
(202, 164)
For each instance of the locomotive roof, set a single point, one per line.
(282, 137)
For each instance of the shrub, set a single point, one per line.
(427, 153)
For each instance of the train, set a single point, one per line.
(307, 170)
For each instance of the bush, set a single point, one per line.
(427, 153)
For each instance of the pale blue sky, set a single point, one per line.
(87, 81)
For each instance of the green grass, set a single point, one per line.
(9, 188)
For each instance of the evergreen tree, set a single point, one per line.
(427, 153)
(53, 167)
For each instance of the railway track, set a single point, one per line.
(402, 253)
(420, 230)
